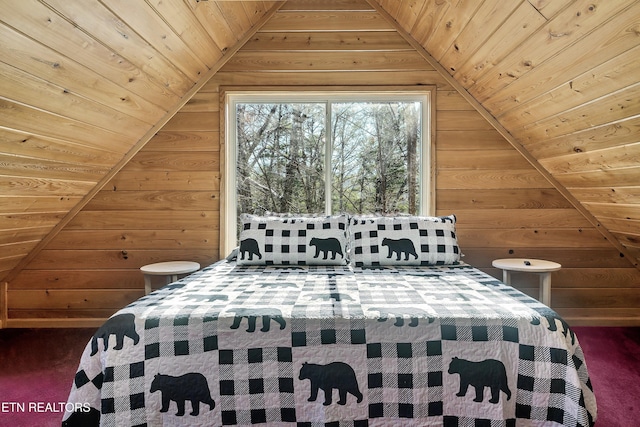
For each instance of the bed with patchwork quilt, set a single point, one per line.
(333, 344)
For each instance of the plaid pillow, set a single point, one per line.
(272, 240)
(405, 240)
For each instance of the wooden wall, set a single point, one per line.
(164, 204)
(562, 78)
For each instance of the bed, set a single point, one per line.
(348, 335)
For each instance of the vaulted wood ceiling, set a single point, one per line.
(86, 83)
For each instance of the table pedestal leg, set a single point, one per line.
(147, 284)
(506, 276)
(545, 288)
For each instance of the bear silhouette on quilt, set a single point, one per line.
(120, 325)
(336, 375)
(486, 373)
(252, 314)
(192, 386)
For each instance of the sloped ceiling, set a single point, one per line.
(86, 83)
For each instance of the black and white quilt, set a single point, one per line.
(333, 346)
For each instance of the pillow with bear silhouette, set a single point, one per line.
(403, 240)
(293, 240)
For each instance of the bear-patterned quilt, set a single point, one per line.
(333, 346)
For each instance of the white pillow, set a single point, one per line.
(403, 240)
(293, 240)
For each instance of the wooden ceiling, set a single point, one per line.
(86, 83)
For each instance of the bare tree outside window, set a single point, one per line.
(374, 157)
(374, 161)
(280, 157)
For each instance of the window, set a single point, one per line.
(331, 152)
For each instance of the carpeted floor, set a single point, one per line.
(37, 367)
(613, 360)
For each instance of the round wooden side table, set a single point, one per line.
(170, 269)
(529, 265)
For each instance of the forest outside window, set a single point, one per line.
(337, 152)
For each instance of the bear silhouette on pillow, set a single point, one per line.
(400, 247)
(251, 247)
(325, 246)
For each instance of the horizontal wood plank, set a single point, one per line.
(135, 239)
(166, 140)
(37, 122)
(30, 220)
(176, 161)
(518, 218)
(146, 220)
(532, 238)
(293, 20)
(601, 178)
(600, 316)
(572, 278)
(197, 121)
(462, 140)
(36, 204)
(12, 235)
(325, 41)
(27, 89)
(155, 180)
(47, 169)
(108, 200)
(72, 299)
(479, 200)
(604, 111)
(461, 120)
(611, 210)
(623, 195)
(620, 157)
(620, 225)
(481, 159)
(58, 318)
(490, 179)
(624, 131)
(426, 75)
(43, 187)
(574, 258)
(71, 259)
(325, 61)
(38, 147)
(79, 279)
(333, 5)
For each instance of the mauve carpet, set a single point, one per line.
(37, 367)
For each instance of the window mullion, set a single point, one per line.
(328, 146)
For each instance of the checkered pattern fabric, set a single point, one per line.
(336, 346)
(403, 240)
(284, 240)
